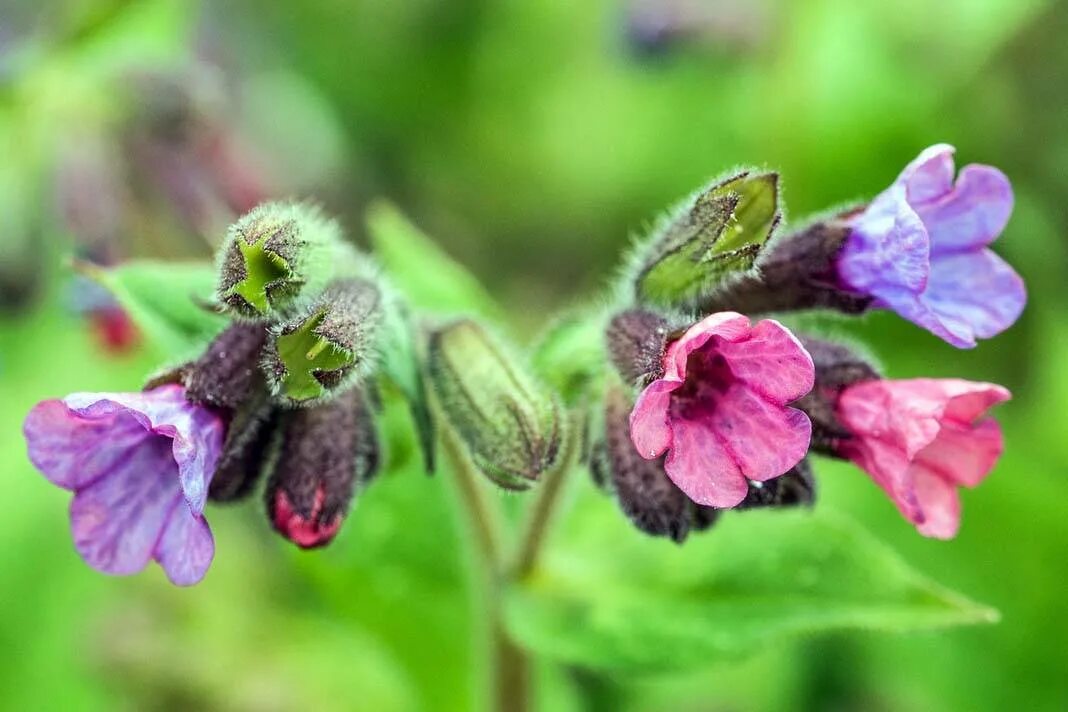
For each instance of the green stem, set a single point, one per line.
(510, 678)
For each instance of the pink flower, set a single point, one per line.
(920, 440)
(720, 408)
(139, 465)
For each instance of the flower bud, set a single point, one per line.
(227, 372)
(324, 453)
(246, 451)
(637, 340)
(716, 237)
(329, 347)
(274, 253)
(837, 367)
(510, 425)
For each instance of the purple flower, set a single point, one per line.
(139, 465)
(920, 249)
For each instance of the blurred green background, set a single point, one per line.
(532, 140)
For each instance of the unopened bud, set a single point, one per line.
(636, 341)
(715, 238)
(227, 372)
(325, 452)
(837, 366)
(273, 254)
(510, 425)
(246, 451)
(330, 347)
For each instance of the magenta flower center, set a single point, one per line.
(708, 377)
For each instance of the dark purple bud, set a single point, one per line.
(795, 272)
(246, 451)
(797, 487)
(837, 367)
(228, 371)
(636, 341)
(324, 454)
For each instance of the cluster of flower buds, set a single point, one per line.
(712, 411)
(282, 394)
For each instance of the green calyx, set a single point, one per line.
(719, 235)
(307, 357)
(263, 269)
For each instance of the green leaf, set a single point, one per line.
(607, 596)
(429, 278)
(570, 355)
(169, 302)
(720, 232)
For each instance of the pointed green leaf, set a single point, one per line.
(608, 596)
(169, 302)
(429, 278)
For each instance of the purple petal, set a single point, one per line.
(930, 175)
(701, 466)
(888, 249)
(117, 520)
(974, 294)
(186, 548)
(67, 447)
(197, 433)
(972, 215)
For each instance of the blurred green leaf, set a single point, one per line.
(610, 597)
(430, 278)
(571, 354)
(169, 302)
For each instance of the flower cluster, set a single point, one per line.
(723, 408)
(709, 407)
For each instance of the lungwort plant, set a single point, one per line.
(696, 535)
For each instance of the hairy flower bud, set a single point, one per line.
(324, 454)
(510, 425)
(273, 254)
(796, 487)
(329, 347)
(837, 367)
(637, 340)
(227, 372)
(717, 236)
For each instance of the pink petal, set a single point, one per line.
(729, 326)
(888, 466)
(973, 214)
(930, 175)
(702, 468)
(765, 440)
(186, 548)
(964, 454)
(904, 414)
(940, 504)
(649, 429)
(771, 361)
(117, 520)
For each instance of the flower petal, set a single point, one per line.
(117, 520)
(962, 454)
(973, 214)
(730, 326)
(649, 429)
(977, 289)
(702, 467)
(764, 440)
(72, 450)
(888, 466)
(930, 175)
(939, 502)
(771, 361)
(888, 249)
(186, 548)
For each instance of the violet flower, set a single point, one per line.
(139, 465)
(920, 249)
(720, 408)
(922, 439)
